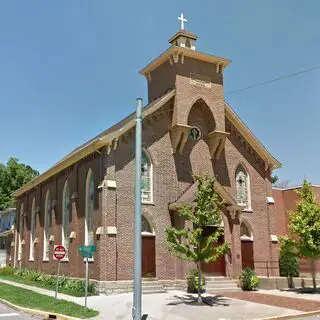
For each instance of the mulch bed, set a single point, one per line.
(277, 301)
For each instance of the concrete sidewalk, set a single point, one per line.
(171, 305)
(292, 294)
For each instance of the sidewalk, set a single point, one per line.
(176, 305)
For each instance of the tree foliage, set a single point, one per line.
(274, 179)
(13, 175)
(304, 224)
(289, 266)
(190, 243)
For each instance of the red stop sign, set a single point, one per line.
(59, 252)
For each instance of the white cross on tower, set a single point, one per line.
(183, 20)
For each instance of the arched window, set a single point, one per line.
(89, 221)
(32, 229)
(47, 227)
(146, 228)
(146, 178)
(245, 232)
(243, 188)
(21, 227)
(65, 217)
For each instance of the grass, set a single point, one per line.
(29, 299)
(39, 284)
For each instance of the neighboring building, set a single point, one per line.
(7, 225)
(286, 201)
(188, 128)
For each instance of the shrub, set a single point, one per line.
(7, 271)
(248, 280)
(193, 281)
(47, 280)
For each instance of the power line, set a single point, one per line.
(273, 80)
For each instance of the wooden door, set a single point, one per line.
(148, 256)
(218, 267)
(247, 254)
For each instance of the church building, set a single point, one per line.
(87, 198)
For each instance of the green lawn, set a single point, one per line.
(29, 299)
(39, 284)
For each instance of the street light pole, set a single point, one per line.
(136, 310)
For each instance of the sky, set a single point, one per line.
(69, 70)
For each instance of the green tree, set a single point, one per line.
(274, 179)
(289, 266)
(13, 175)
(190, 243)
(304, 224)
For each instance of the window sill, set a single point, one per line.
(150, 203)
(249, 210)
(45, 260)
(31, 260)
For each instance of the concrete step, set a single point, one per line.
(227, 289)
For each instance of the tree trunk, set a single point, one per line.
(314, 282)
(199, 282)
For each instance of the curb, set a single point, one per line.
(39, 312)
(294, 316)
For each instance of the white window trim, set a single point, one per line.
(151, 179)
(86, 231)
(46, 243)
(32, 229)
(246, 207)
(63, 236)
(20, 236)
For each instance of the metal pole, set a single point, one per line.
(57, 281)
(136, 310)
(86, 283)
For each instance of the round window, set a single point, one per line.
(195, 133)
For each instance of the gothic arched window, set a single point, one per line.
(32, 229)
(89, 209)
(66, 216)
(47, 227)
(243, 188)
(146, 178)
(21, 227)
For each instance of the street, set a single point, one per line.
(11, 314)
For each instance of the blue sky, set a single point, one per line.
(69, 69)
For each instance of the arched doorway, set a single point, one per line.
(246, 238)
(218, 267)
(148, 249)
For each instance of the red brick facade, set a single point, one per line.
(189, 104)
(286, 201)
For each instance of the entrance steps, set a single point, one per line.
(152, 285)
(221, 284)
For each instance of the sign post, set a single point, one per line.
(86, 252)
(59, 252)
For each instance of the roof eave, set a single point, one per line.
(188, 53)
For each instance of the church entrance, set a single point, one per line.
(218, 267)
(148, 250)
(246, 247)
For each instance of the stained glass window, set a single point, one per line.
(146, 178)
(89, 239)
(66, 217)
(242, 186)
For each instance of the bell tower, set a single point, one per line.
(197, 78)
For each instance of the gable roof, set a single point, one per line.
(189, 196)
(112, 134)
(250, 137)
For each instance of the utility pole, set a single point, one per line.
(136, 310)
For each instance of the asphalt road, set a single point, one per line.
(7, 313)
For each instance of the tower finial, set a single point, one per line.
(183, 20)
